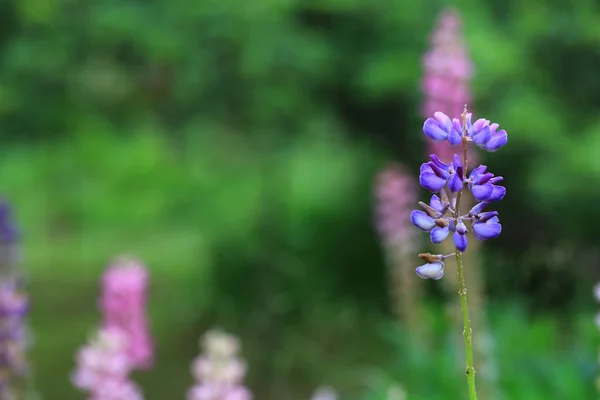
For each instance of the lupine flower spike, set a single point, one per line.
(13, 335)
(103, 368)
(442, 217)
(395, 193)
(218, 371)
(446, 86)
(123, 305)
(15, 338)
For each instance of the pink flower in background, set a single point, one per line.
(218, 371)
(395, 195)
(103, 368)
(448, 71)
(123, 303)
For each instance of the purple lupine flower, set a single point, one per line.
(103, 367)
(14, 306)
(433, 271)
(8, 230)
(435, 174)
(446, 82)
(483, 133)
(448, 181)
(218, 371)
(9, 244)
(123, 303)
(483, 186)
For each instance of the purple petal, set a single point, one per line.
(468, 118)
(478, 126)
(486, 230)
(455, 183)
(438, 234)
(443, 120)
(487, 216)
(432, 182)
(436, 203)
(461, 227)
(497, 140)
(483, 136)
(460, 241)
(431, 271)
(455, 134)
(421, 220)
(451, 226)
(497, 194)
(436, 160)
(478, 208)
(482, 192)
(457, 163)
(496, 179)
(483, 178)
(442, 173)
(433, 130)
(478, 171)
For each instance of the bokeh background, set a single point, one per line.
(232, 145)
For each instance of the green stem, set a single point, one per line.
(468, 332)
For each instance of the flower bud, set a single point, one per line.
(433, 271)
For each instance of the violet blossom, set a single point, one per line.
(447, 181)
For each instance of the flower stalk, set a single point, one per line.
(468, 331)
(462, 285)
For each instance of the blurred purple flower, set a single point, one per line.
(14, 306)
(123, 303)
(218, 372)
(8, 230)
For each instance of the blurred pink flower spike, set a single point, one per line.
(123, 304)
(103, 368)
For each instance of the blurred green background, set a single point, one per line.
(232, 145)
